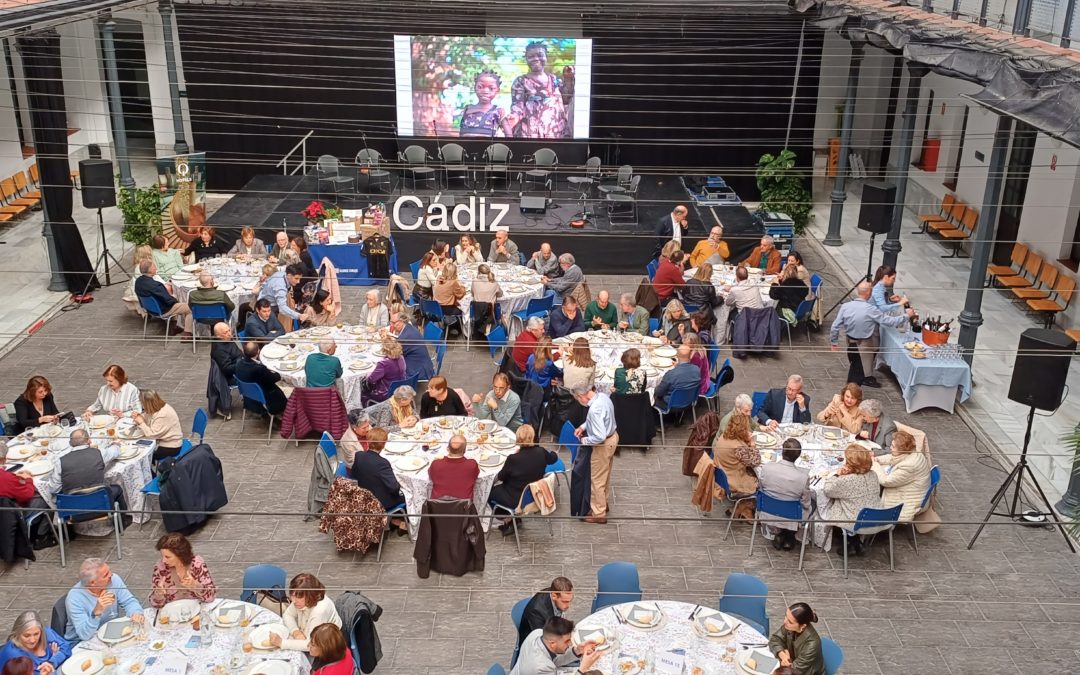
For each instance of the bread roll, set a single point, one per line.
(267, 643)
(86, 665)
(751, 664)
(126, 632)
(600, 639)
(163, 619)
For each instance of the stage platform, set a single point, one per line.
(271, 202)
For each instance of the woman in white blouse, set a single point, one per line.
(117, 397)
(468, 251)
(310, 609)
(373, 313)
(426, 276)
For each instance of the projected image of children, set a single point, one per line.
(483, 118)
(540, 98)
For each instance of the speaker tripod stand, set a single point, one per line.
(1015, 480)
(869, 276)
(103, 259)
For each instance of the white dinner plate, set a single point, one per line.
(666, 350)
(80, 658)
(229, 614)
(410, 463)
(274, 350)
(630, 665)
(491, 461)
(603, 636)
(194, 267)
(41, 467)
(49, 431)
(289, 366)
(642, 614)
(764, 440)
(271, 667)
(832, 433)
(117, 630)
(226, 287)
(129, 432)
(361, 365)
(249, 285)
(398, 447)
(320, 330)
(179, 611)
(129, 451)
(20, 452)
(181, 276)
(485, 426)
(765, 662)
(260, 637)
(661, 362)
(710, 623)
(101, 421)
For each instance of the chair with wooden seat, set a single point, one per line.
(22, 188)
(1043, 287)
(10, 206)
(1028, 273)
(1015, 266)
(958, 235)
(1074, 333)
(1059, 301)
(956, 216)
(11, 194)
(943, 213)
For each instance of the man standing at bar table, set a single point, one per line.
(860, 319)
(600, 434)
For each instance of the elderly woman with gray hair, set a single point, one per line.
(397, 411)
(31, 638)
(877, 426)
(744, 405)
(373, 314)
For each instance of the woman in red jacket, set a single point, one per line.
(332, 656)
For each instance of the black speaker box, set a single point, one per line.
(1042, 365)
(98, 189)
(533, 205)
(875, 213)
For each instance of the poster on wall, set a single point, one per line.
(182, 182)
(492, 87)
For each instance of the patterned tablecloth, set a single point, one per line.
(357, 348)
(674, 642)
(224, 656)
(236, 277)
(519, 284)
(131, 471)
(607, 348)
(488, 444)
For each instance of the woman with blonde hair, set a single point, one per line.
(448, 291)
(851, 489)
(248, 244)
(525, 466)
(31, 639)
(734, 452)
(843, 409)
(541, 368)
(389, 370)
(468, 251)
(159, 421)
(485, 293)
(579, 368)
(674, 314)
(908, 479)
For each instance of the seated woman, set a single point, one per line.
(525, 466)
(699, 290)
(448, 290)
(485, 293)
(299, 244)
(319, 312)
(796, 643)
(35, 406)
(159, 421)
(373, 314)
(389, 370)
(629, 377)
(794, 259)
(579, 369)
(206, 246)
(327, 647)
(851, 489)
(700, 324)
(909, 478)
(674, 314)
(843, 410)
(468, 251)
(788, 291)
(734, 452)
(698, 358)
(439, 400)
(116, 397)
(540, 367)
(45, 649)
(397, 411)
(248, 245)
(428, 274)
(180, 574)
(309, 609)
(877, 427)
(20, 665)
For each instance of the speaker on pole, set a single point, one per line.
(1041, 368)
(875, 212)
(98, 187)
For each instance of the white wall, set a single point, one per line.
(11, 159)
(1049, 215)
(84, 86)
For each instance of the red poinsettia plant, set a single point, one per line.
(315, 212)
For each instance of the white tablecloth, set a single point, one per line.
(607, 348)
(130, 474)
(236, 278)
(202, 659)
(435, 432)
(724, 275)
(711, 656)
(357, 348)
(519, 284)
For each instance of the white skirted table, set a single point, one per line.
(519, 284)
(607, 347)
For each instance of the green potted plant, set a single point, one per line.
(142, 214)
(783, 188)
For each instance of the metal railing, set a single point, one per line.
(302, 165)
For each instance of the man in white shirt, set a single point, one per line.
(673, 226)
(548, 649)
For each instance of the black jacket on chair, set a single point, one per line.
(194, 483)
(449, 545)
(14, 544)
(634, 420)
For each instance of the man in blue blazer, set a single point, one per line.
(786, 406)
(413, 347)
(683, 376)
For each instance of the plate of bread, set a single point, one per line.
(260, 637)
(82, 662)
(117, 630)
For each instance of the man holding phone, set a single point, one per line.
(785, 406)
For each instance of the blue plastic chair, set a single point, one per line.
(872, 521)
(69, 506)
(935, 478)
(329, 448)
(678, 399)
(497, 339)
(651, 268)
(744, 596)
(255, 393)
(788, 509)
(440, 354)
(690, 309)
(758, 397)
(536, 307)
(413, 382)
(199, 313)
(241, 336)
(415, 269)
(433, 334)
(568, 440)
(832, 654)
(198, 425)
(263, 578)
(654, 325)
(153, 309)
(712, 351)
(517, 613)
(401, 509)
(616, 583)
(721, 480)
(497, 669)
(724, 377)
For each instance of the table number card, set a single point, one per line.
(172, 664)
(670, 662)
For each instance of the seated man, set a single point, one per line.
(786, 406)
(413, 347)
(373, 472)
(600, 313)
(745, 293)
(99, 597)
(552, 601)
(502, 249)
(262, 324)
(208, 294)
(571, 276)
(669, 276)
(501, 403)
(709, 249)
(249, 369)
(565, 319)
(683, 376)
(454, 475)
(225, 352)
(765, 256)
(355, 438)
(784, 480)
(631, 317)
(548, 650)
(322, 369)
(148, 287)
(281, 244)
(545, 262)
(525, 342)
(83, 468)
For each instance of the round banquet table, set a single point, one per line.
(131, 470)
(405, 451)
(607, 347)
(674, 641)
(724, 275)
(201, 659)
(519, 284)
(234, 276)
(358, 349)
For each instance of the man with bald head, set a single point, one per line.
(209, 294)
(454, 475)
(712, 249)
(859, 319)
(322, 369)
(545, 262)
(684, 375)
(673, 226)
(600, 313)
(225, 352)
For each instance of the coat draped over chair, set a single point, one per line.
(756, 331)
(453, 545)
(363, 525)
(634, 420)
(314, 409)
(701, 438)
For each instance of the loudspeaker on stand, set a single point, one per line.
(875, 212)
(98, 188)
(1041, 368)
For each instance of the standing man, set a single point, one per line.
(545, 262)
(860, 320)
(672, 226)
(503, 250)
(708, 248)
(276, 290)
(600, 434)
